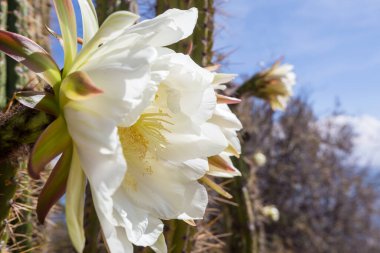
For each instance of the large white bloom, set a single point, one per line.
(139, 121)
(145, 141)
(166, 151)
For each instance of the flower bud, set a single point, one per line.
(274, 85)
(271, 212)
(259, 159)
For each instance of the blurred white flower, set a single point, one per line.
(140, 122)
(271, 212)
(274, 85)
(259, 159)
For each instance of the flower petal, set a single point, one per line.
(39, 100)
(67, 23)
(181, 197)
(221, 78)
(111, 28)
(98, 146)
(167, 28)
(55, 186)
(75, 192)
(185, 142)
(78, 86)
(222, 168)
(160, 245)
(225, 118)
(131, 89)
(30, 54)
(52, 142)
(115, 237)
(89, 19)
(187, 90)
(141, 228)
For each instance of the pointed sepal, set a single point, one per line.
(79, 86)
(67, 23)
(55, 186)
(220, 167)
(218, 162)
(29, 53)
(89, 19)
(52, 142)
(39, 100)
(75, 193)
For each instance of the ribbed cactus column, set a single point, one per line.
(28, 18)
(15, 74)
(105, 7)
(3, 66)
(18, 126)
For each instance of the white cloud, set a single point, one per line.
(366, 139)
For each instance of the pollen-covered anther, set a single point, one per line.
(146, 135)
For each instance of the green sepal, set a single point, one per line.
(29, 53)
(67, 23)
(78, 86)
(52, 142)
(55, 186)
(39, 100)
(76, 187)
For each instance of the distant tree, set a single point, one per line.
(327, 202)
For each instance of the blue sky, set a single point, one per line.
(334, 45)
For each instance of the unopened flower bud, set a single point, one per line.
(271, 212)
(259, 159)
(274, 85)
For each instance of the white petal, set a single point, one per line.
(99, 149)
(129, 85)
(166, 193)
(75, 189)
(185, 142)
(184, 72)
(89, 19)
(115, 24)
(195, 168)
(282, 69)
(141, 228)
(160, 245)
(221, 78)
(225, 118)
(167, 28)
(116, 238)
(217, 172)
(187, 88)
(111, 28)
(232, 138)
